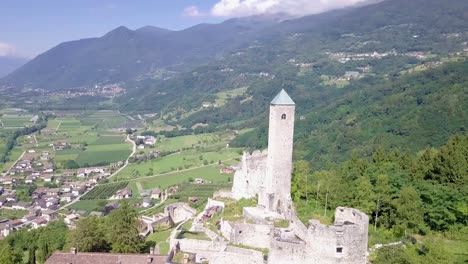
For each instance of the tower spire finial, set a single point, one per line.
(282, 98)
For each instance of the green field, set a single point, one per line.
(12, 214)
(15, 121)
(89, 205)
(108, 119)
(91, 146)
(210, 173)
(179, 161)
(223, 97)
(177, 143)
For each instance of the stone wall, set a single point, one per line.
(248, 180)
(237, 256)
(253, 235)
(179, 212)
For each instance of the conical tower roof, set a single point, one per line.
(282, 98)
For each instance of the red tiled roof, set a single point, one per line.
(105, 258)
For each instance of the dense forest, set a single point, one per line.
(404, 194)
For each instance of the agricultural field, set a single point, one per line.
(104, 191)
(178, 161)
(89, 145)
(12, 214)
(209, 173)
(9, 121)
(223, 97)
(108, 119)
(89, 205)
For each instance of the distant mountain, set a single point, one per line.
(9, 64)
(123, 54)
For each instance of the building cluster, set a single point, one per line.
(344, 57)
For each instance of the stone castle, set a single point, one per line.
(267, 175)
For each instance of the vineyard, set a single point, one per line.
(104, 191)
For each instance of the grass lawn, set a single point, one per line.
(210, 173)
(109, 140)
(177, 143)
(160, 236)
(224, 96)
(12, 214)
(88, 205)
(179, 161)
(459, 250)
(95, 154)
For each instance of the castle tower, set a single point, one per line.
(277, 192)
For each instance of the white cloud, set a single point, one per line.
(239, 8)
(192, 11)
(7, 49)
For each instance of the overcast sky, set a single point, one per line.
(28, 28)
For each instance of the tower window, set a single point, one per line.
(283, 116)
(339, 250)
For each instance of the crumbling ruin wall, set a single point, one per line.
(344, 242)
(195, 245)
(238, 256)
(253, 235)
(288, 253)
(179, 212)
(248, 181)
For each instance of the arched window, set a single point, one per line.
(283, 116)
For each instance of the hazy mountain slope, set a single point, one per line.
(9, 64)
(123, 54)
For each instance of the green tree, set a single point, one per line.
(89, 235)
(32, 255)
(365, 198)
(300, 186)
(409, 213)
(123, 230)
(8, 255)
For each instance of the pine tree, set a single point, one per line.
(123, 230)
(32, 255)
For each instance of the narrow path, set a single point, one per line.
(131, 118)
(58, 126)
(2, 123)
(16, 161)
(140, 188)
(126, 162)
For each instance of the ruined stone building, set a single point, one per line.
(267, 175)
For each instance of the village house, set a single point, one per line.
(21, 206)
(85, 172)
(227, 170)
(47, 178)
(39, 222)
(28, 218)
(52, 191)
(70, 219)
(78, 190)
(123, 194)
(7, 181)
(146, 202)
(199, 181)
(10, 198)
(66, 197)
(30, 179)
(156, 194)
(49, 215)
